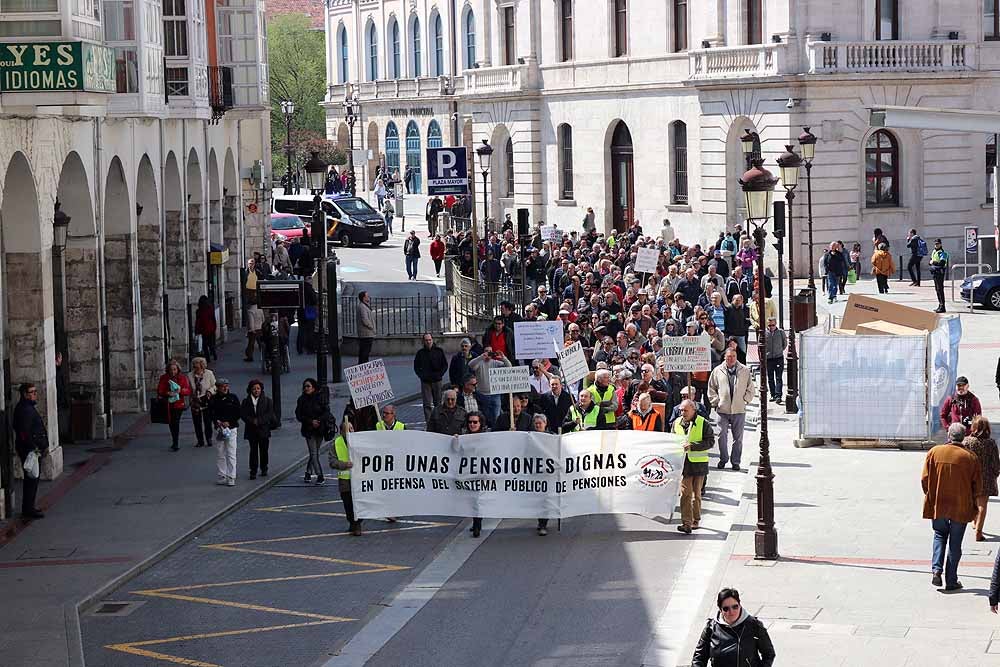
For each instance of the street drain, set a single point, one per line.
(116, 608)
(140, 500)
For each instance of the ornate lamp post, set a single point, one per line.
(749, 142)
(352, 109)
(807, 140)
(790, 162)
(485, 152)
(315, 170)
(288, 110)
(758, 188)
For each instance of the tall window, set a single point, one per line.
(438, 46)
(392, 150)
(415, 44)
(991, 165)
(342, 47)
(565, 161)
(679, 144)
(680, 25)
(470, 40)
(755, 22)
(508, 153)
(119, 33)
(372, 52)
(413, 155)
(881, 170)
(565, 30)
(509, 37)
(886, 19)
(621, 28)
(434, 135)
(394, 38)
(991, 20)
(175, 41)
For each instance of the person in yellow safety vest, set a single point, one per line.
(697, 431)
(643, 417)
(582, 416)
(606, 399)
(340, 460)
(388, 421)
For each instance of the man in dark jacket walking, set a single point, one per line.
(257, 412)
(835, 266)
(430, 365)
(448, 418)
(30, 436)
(411, 250)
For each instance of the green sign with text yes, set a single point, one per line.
(56, 67)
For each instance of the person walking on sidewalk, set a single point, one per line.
(30, 436)
(173, 386)
(388, 212)
(255, 324)
(961, 407)
(365, 327)
(206, 326)
(952, 479)
(733, 638)
(698, 434)
(835, 266)
(340, 460)
(883, 267)
(411, 251)
(313, 412)
(202, 382)
(918, 250)
(257, 411)
(225, 411)
(940, 261)
(730, 389)
(437, 254)
(430, 365)
(775, 341)
(980, 443)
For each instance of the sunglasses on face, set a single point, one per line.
(473, 422)
(734, 607)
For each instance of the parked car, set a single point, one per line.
(350, 220)
(287, 226)
(984, 289)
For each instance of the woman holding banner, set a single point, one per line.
(340, 460)
(475, 422)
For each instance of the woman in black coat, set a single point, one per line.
(257, 412)
(733, 638)
(313, 411)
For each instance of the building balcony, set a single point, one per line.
(737, 62)
(390, 89)
(507, 79)
(891, 56)
(220, 90)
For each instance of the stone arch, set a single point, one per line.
(620, 184)
(232, 235)
(121, 297)
(175, 258)
(197, 240)
(500, 200)
(216, 278)
(149, 244)
(343, 137)
(74, 193)
(736, 165)
(377, 156)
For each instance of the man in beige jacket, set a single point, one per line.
(730, 389)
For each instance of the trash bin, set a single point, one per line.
(804, 310)
(81, 417)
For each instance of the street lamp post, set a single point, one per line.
(351, 110)
(758, 188)
(807, 140)
(790, 163)
(288, 110)
(315, 170)
(485, 152)
(749, 143)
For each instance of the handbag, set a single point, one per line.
(852, 276)
(158, 410)
(31, 465)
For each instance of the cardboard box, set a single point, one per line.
(863, 309)
(880, 328)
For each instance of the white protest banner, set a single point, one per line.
(551, 233)
(369, 383)
(687, 354)
(509, 380)
(646, 260)
(514, 475)
(533, 340)
(573, 363)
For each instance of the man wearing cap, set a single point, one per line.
(961, 407)
(224, 410)
(940, 261)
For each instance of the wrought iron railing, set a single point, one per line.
(397, 316)
(220, 90)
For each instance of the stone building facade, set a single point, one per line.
(636, 107)
(146, 131)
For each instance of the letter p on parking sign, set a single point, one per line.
(447, 171)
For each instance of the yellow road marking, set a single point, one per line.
(295, 538)
(134, 647)
(269, 580)
(244, 605)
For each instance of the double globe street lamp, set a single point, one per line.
(485, 153)
(790, 163)
(316, 169)
(288, 111)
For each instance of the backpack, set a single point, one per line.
(921, 247)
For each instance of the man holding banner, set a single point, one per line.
(699, 439)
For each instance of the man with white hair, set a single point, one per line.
(699, 438)
(605, 398)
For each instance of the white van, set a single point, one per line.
(356, 221)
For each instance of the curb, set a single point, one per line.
(74, 636)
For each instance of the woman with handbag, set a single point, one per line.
(202, 383)
(32, 445)
(313, 412)
(257, 412)
(733, 638)
(172, 388)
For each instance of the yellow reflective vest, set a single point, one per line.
(609, 395)
(589, 419)
(343, 455)
(694, 434)
(398, 426)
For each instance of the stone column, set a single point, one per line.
(124, 337)
(82, 309)
(197, 258)
(216, 236)
(30, 330)
(231, 239)
(151, 300)
(176, 264)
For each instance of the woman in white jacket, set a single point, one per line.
(202, 387)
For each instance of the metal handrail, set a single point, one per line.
(972, 291)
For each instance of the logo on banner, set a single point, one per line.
(654, 470)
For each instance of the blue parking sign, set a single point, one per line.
(447, 171)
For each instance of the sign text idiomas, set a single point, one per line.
(56, 67)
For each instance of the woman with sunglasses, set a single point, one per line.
(733, 638)
(475, 422)
(313, 413)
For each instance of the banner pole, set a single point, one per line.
(511, 410)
